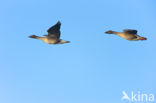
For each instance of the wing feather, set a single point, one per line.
(54, 31)
(130, 31)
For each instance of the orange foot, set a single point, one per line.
(142, 38)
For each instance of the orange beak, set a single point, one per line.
(142, 38)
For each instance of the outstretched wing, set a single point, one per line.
(54, 31)
(130, 31)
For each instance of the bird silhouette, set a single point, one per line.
(53, 36)
(127, 34)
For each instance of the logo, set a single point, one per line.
(137, 97)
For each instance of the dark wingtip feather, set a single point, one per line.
(59, 22)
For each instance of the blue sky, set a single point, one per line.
(93, 68)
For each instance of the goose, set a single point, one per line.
(53, 36)
(128, 34)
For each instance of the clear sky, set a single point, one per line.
(93, 68)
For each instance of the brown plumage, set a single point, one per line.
(53, 36)
(127, 34)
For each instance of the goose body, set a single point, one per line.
(127, 34)
(53, 36)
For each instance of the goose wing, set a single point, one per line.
(130, 31)
(54, 31)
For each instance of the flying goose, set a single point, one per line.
(127, 34)
(53, 36)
